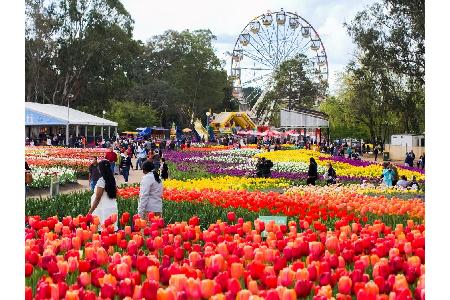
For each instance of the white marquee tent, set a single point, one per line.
(54, 119)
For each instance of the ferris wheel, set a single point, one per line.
(264, 43)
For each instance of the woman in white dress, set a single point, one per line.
(150, 191)
(103, 201)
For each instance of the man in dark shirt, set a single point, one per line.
(94, 173)
(125, 166)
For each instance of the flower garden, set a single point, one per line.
(67, 163)
(353, 240)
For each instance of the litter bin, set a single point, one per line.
(54, 185)
(385, 156)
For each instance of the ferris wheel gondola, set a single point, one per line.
(266, 42)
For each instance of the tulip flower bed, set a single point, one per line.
(227, 183)
(310, 205)
(75, 158)
(363, 189)
(42, 176)
(346, 167)
(242, 163)
(67, 258)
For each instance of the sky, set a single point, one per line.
(226, 19)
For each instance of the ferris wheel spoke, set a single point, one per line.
(284, 44)
(256, 58)
(265, 58)
(256, 69)
(293, 45)
(260, 80)
(268, 38)
(262, 45)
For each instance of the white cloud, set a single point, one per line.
(226, 19)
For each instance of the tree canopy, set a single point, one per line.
(383, 88)
(130, 115)
(85, 49)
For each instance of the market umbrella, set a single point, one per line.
(290, 132)
(187, 130)
(276, 132)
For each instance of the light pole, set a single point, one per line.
(69, 97)
(103, 112)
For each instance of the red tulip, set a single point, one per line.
(234, 286)
(149, 289)
(303, 288)
(272, 295)
(270, 281)
(28, 269)
(107, 291)
(345, 285)
(28, 293)
(96, 274)
(312, 270)
(231, 216)
(126, 288)
(325, 279)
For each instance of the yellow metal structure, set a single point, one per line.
(224, 121)
(200, 129)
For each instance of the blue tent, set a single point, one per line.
(145, 131)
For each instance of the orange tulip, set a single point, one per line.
(332, 244)
(153, 273)
(248, 252)
(400, 282)
(372, 289)
(237, 269)
(63, 267)
(71, 295)
(157, 242)
(243, 295)
(414, 261)
(179, 282)
(222, 249)
(165, 294)
(76, 243)
(101, 256)
(289, 294)
(85, 278)
(302, 274)
(207, 288)
(218, 262)
(253, 287)
(137, 293)
(345, 285)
